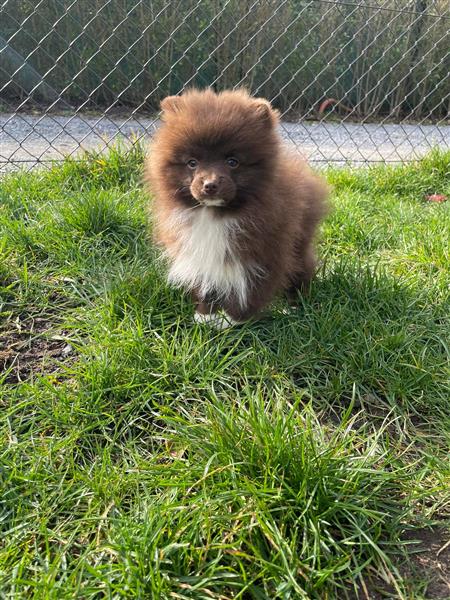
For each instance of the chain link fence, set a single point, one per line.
(355, 81)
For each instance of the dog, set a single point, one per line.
(235, 212)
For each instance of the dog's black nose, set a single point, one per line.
(210, 188)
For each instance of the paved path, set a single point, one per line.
(26, 138)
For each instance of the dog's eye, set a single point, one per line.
(232, 162)
(192, 163)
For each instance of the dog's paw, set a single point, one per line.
(204, 318)
(215, 320)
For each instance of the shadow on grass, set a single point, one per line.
(363, 337)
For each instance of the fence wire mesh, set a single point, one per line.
(355, 81)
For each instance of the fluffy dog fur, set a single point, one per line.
(234, 210)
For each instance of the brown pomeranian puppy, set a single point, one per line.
(235, 211)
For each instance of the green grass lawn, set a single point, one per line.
(144, 456)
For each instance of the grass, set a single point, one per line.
(154, 458)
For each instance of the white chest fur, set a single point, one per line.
(207, 258)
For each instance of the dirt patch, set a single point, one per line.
(426, 574)
(430, 560)
(32, 346)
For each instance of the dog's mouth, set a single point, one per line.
(201, 200)
(212, 201)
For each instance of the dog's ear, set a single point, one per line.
(265, 112)
(171, 104)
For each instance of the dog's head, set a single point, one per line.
(216, 149)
